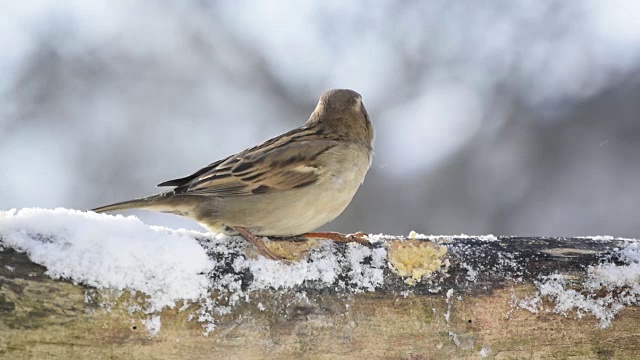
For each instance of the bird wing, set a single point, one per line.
(282, 163)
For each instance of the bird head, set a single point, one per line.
(341, 112)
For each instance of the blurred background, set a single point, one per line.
(503, 117)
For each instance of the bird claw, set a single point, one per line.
(358, 237)
(259, 244)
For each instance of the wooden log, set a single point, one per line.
(437, 298)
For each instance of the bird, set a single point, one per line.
(286, 186)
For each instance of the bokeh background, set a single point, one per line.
(504, 117)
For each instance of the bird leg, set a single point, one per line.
(258, 242)
(359, 237)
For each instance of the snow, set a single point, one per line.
(463, 341)
(472, 274)
(606, 238)
(278, 275)
(322, 267)
(170, 267)
(621, 282)
(375, 238)
(448, 313)
(485, 352)
(112, 252)
(153, 325)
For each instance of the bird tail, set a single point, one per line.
(142, 203)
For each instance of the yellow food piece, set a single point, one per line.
(414, 259)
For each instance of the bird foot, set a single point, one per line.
(359, 237)
(258, 243)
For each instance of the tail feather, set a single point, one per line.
(129, 204)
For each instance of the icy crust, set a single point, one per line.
(606, 238)
(172, 267)
(377, 238)
(417, 236)
(607, 289)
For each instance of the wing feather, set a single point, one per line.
(279, 164)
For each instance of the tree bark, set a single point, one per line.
(480, 299)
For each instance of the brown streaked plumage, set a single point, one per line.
(288, 185)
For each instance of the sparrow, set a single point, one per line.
(287, 186)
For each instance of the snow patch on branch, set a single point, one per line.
(174, 266)
(111, 252)
(619, 284)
